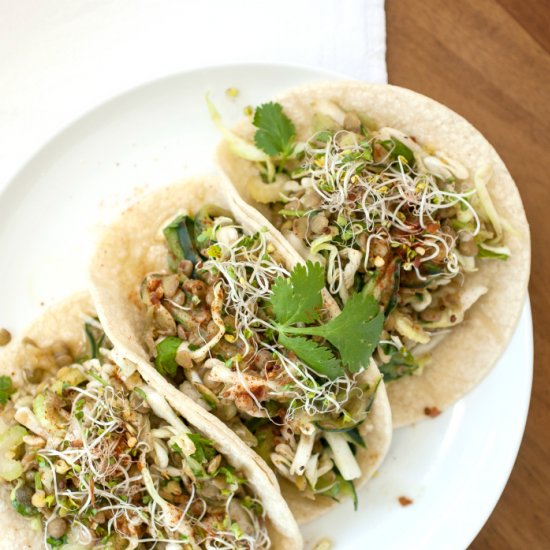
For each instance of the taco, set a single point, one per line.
(94, 457)
(212, 311)
(401, 199)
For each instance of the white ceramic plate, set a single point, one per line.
(454, 468)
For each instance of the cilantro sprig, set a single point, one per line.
(354, 333)
(276, 132)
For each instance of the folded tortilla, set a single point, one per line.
(133, 247)
(64, 322)
(465, 356)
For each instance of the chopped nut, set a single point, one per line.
(405, 501)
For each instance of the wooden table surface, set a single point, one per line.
(489, 60)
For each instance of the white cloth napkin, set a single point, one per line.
(60, 58)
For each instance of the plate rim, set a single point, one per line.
(528, 346)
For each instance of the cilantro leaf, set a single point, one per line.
(298, 299)
(282, 299)
(356, 331)
(318, 357)
(6, 389)
(276, 132)
(165, 361)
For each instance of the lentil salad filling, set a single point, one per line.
(98, 459)
(217, 332)
(384, 215)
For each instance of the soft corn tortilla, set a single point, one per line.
(64, 321)
(133, 247)
(468, 353)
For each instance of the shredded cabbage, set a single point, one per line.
(495, 252)
(266, 193)
(481, 178)
(237, 144)
(11, 469)
(343, 457)
(409, 329)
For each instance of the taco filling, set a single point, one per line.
(97, 459)
(254, 344)
(385, 215)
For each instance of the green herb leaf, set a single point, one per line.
(356, 331)
(298, 299)
(318, 357)
(165, 361)
(276, 132)
(6, 389)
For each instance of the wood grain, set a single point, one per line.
(489, 60)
